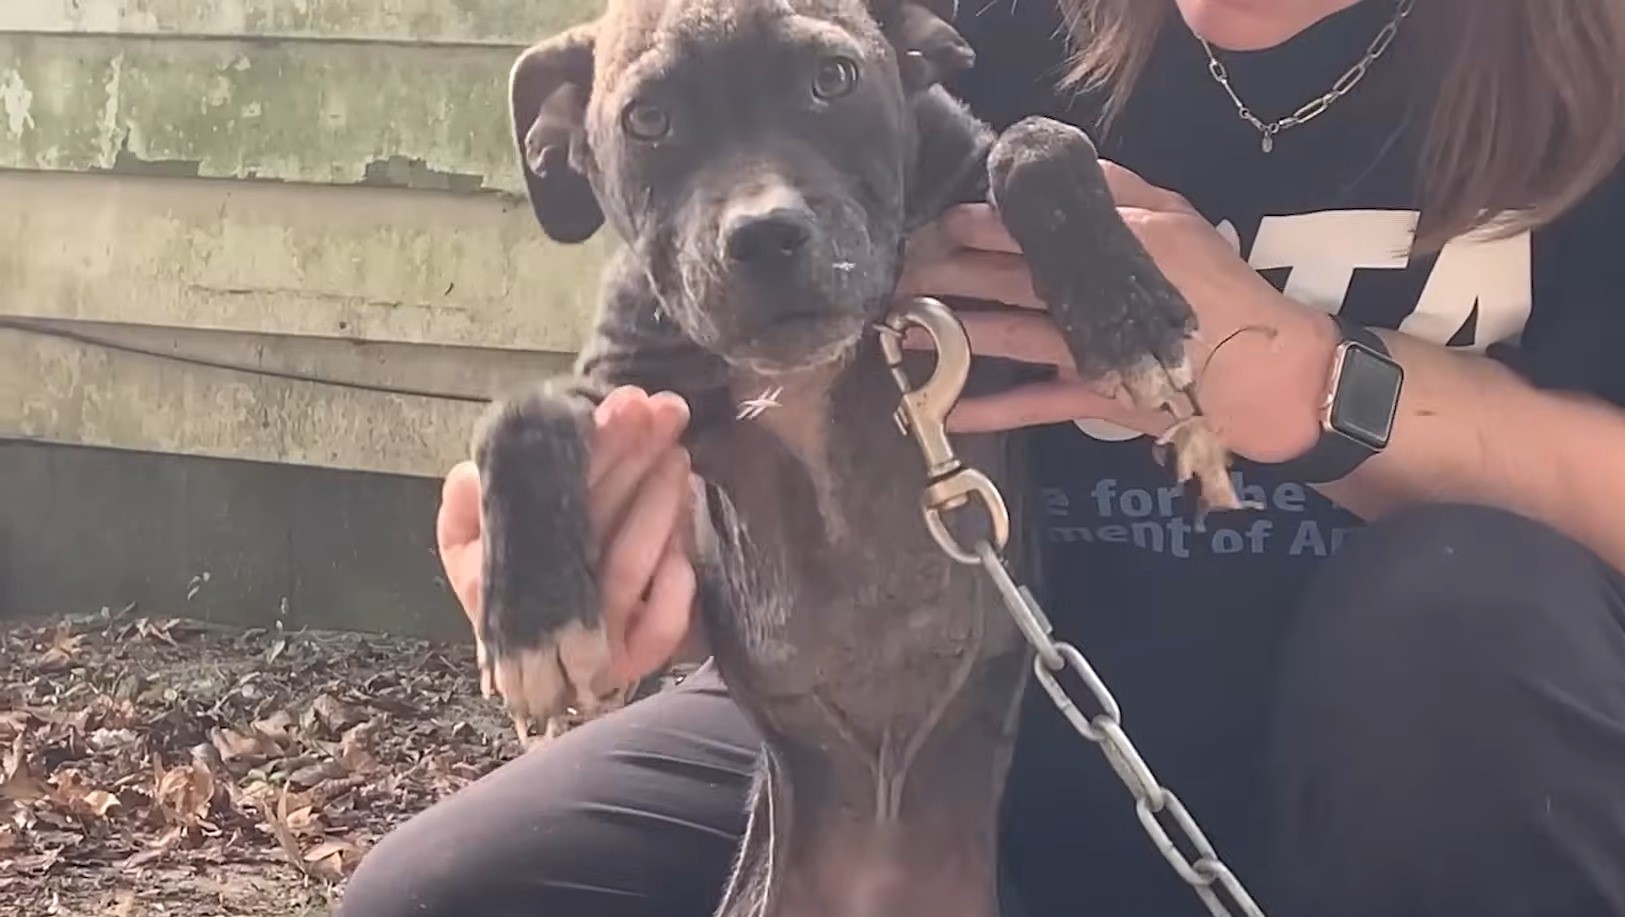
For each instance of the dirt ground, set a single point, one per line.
(160, 766)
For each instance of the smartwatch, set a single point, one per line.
(1357, 415)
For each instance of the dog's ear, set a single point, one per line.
(547, 95)
(929, 48)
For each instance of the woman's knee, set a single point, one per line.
(635, 814)
(405, 873)
(1453, 686)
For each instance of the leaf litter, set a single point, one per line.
(165, 766)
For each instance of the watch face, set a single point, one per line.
(1367, 396)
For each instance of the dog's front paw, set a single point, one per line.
(1121, 318)
(541, 638)
(1124, 322)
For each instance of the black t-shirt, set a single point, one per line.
(1186, 626)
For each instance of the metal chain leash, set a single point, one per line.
(1312, 109)
(952, 486)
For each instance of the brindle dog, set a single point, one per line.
(763, 163)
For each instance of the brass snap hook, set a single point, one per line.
(924, 413)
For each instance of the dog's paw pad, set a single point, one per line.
(568, 673)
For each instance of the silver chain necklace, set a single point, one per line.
(1312, 109)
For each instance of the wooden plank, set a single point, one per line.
(357, 263)
(454, 373)
(72, 392)
(296, 111)
(504, 21)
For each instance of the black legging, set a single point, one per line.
(1449, 739)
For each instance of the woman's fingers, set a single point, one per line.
(977, 226)
(1046, 403)
(457, 535)
(972, 274)
(968, 253)
(625, 417)
(1026, 336)
(619, 422)
(1130, 190)
(1010, 334)
(1023, 406)
(659, 627)
(658, 424)
(458, 521)
(638, 487)
(636, 545)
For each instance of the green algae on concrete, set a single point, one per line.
(497, 21)
(359, 263)
(288, 111)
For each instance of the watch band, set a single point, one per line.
(1337, 453)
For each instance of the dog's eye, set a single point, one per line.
(646, 122)
(836, 77)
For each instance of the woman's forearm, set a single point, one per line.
(1470, 430)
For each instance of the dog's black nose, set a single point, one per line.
(772, 240)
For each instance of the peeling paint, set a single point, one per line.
(293, 111)
(402, 172)
(17, 102)
(128, 163)
(109, 118)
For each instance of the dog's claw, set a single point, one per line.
(569, 673)
(1197, 451)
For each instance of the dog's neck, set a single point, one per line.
(797, 409)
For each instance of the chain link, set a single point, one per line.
(1161, 813)
(1206, 874)
(1315, 107)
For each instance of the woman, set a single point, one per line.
(1398, 692)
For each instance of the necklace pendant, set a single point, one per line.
(1268, 143)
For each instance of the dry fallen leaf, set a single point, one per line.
(163, 845)
(77, 795)
(18, 781)
(236, 746)
(304, 822)
(59, 655)
(277, 822)
(100, 802)
(123, 904)
(278, 727)
(149, 629)
(13, 723)
(332, 715)
(185, 794)
(354, 749)
(331, 860)
(171, 758)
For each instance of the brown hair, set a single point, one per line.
(1528, 115)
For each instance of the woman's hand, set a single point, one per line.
(639, 502)
(1262, 388)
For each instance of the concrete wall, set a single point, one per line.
(272, 254)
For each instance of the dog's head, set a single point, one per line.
(754, 154)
